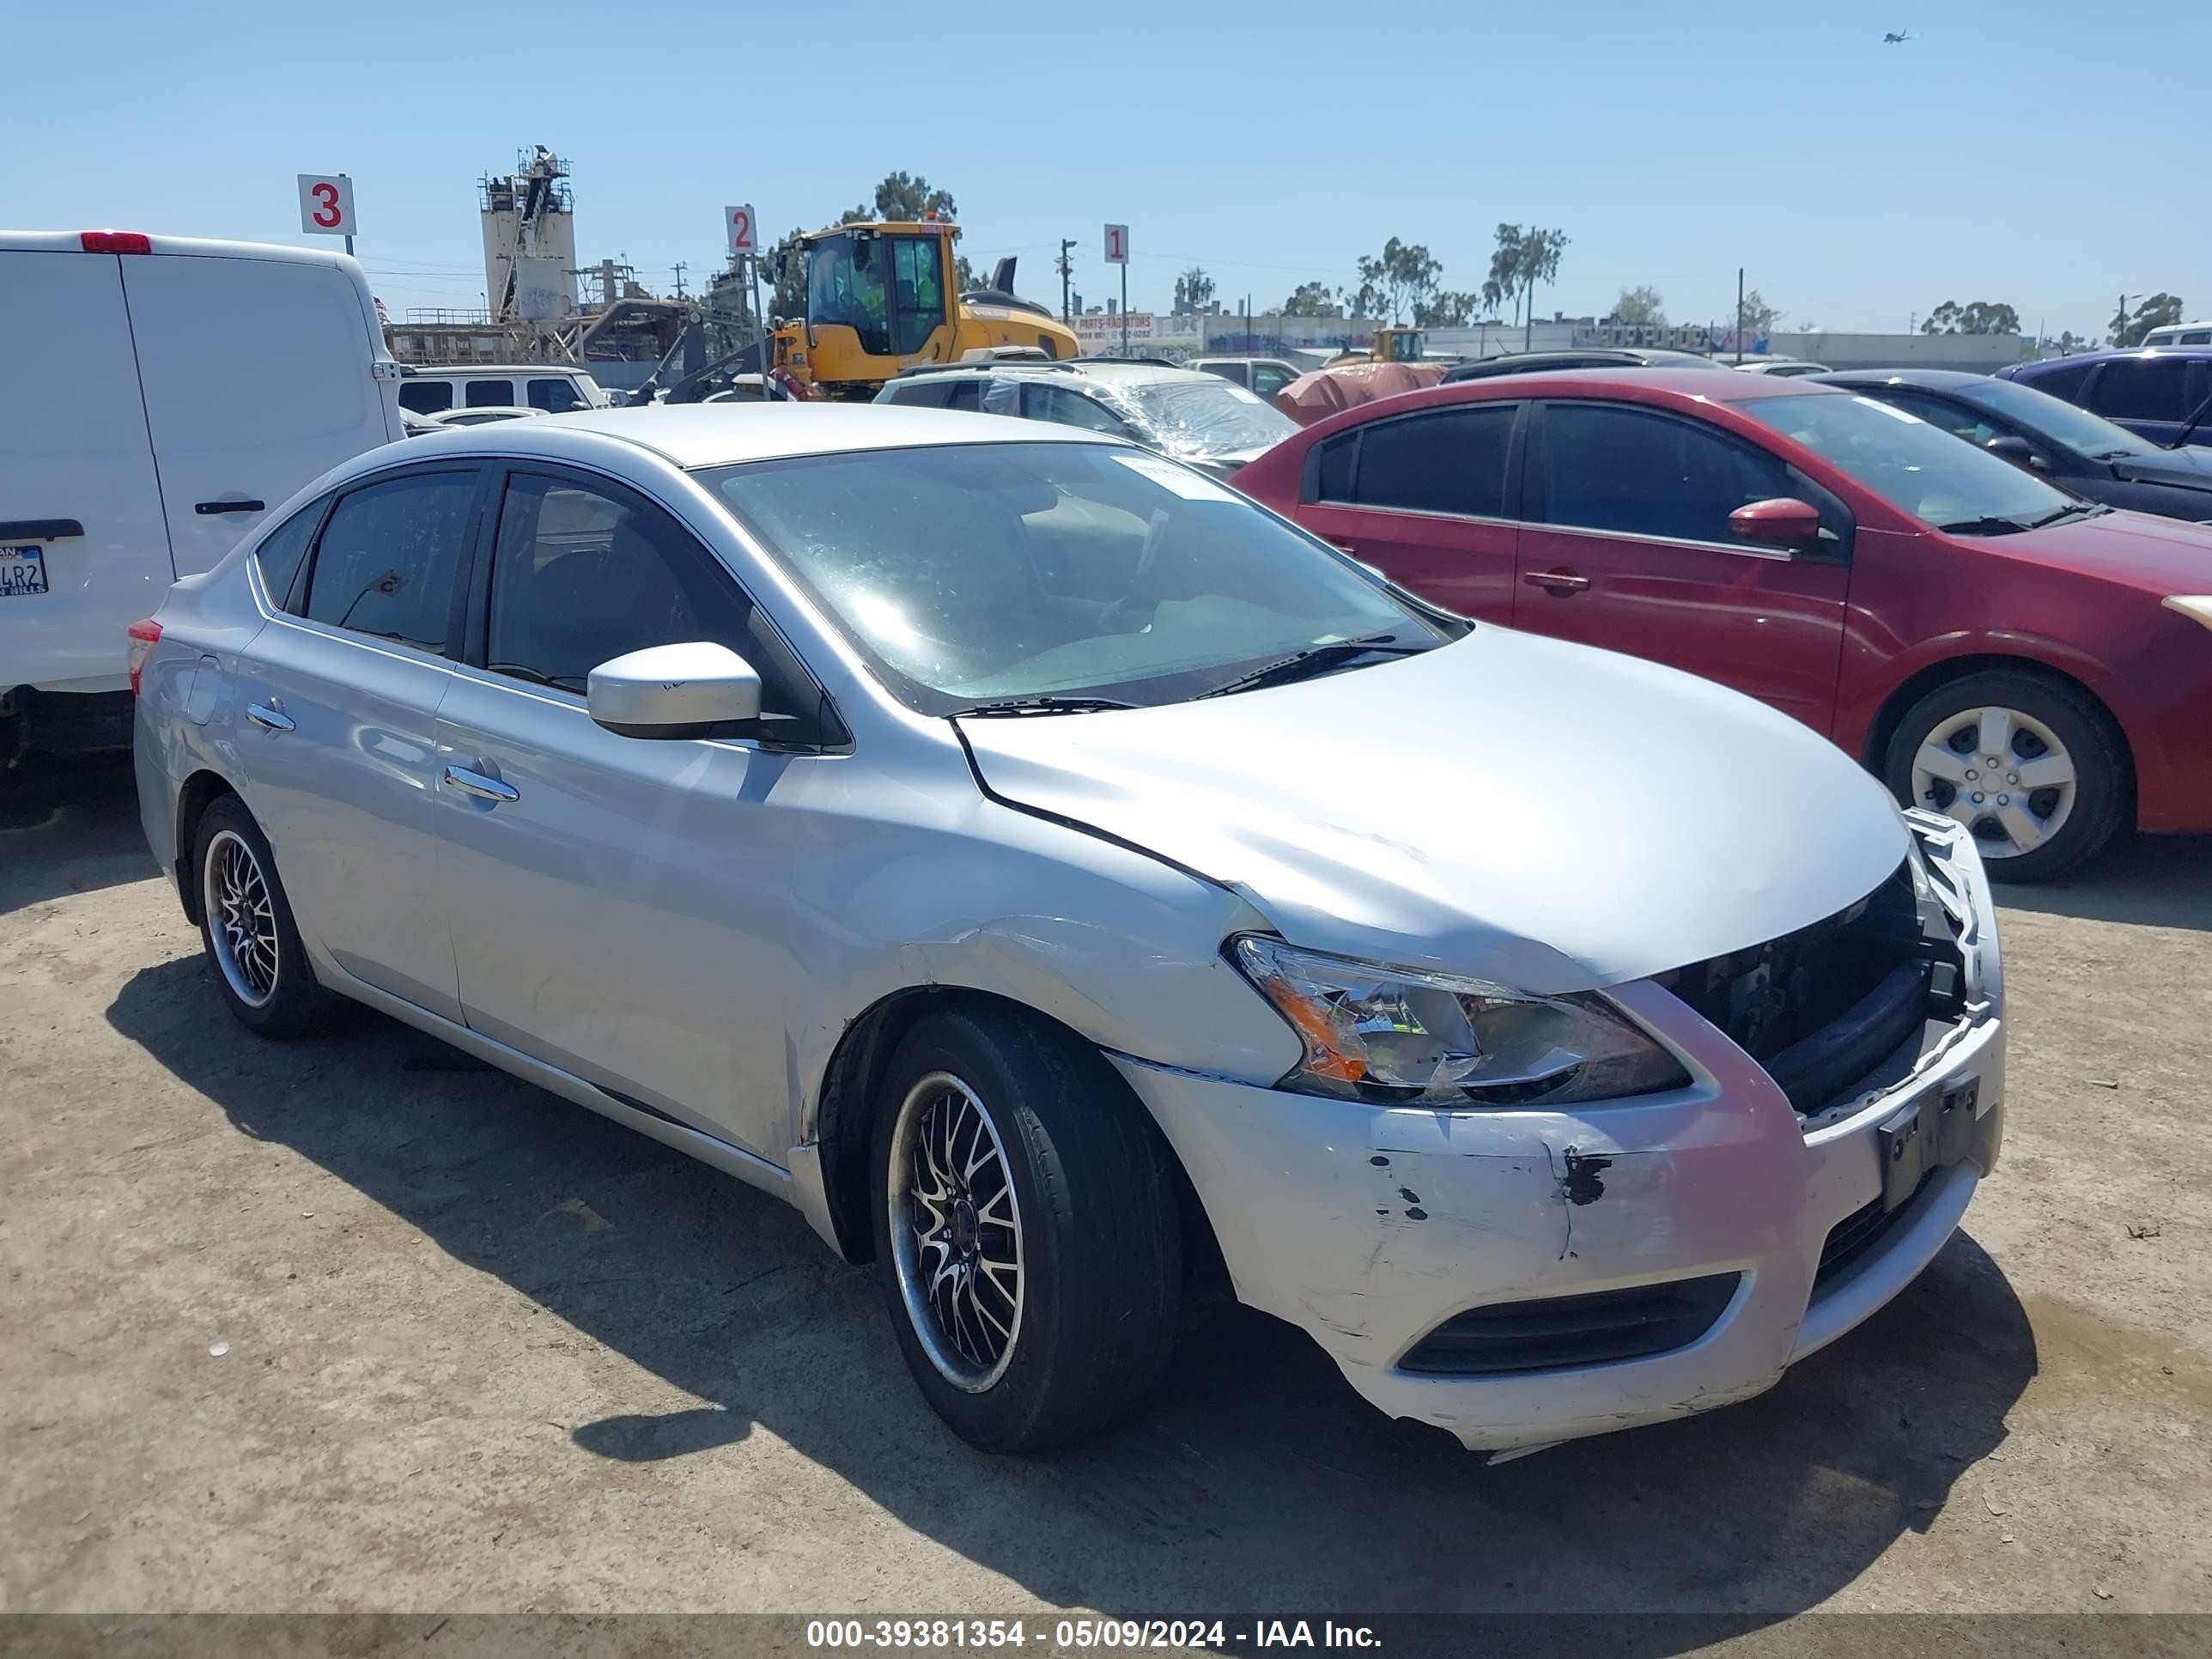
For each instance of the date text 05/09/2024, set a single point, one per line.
(925, 1634)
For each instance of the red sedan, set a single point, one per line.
(2033, 665)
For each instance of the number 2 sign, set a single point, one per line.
(743, 229)
(327, 204)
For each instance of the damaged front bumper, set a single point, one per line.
(1484, 1270)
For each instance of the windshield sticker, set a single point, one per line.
(1191, 486)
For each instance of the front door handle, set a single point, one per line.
(1559, 583)
(273, 719)
(477, 784)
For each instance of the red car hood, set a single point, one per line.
(2166, 555)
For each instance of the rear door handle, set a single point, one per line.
(273, 719)
(484, 788)
(1558, 582)
(206, 508)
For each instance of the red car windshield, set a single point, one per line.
(1919, 468)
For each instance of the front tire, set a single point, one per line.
(1027, 1237)
(247, 931)
(2033, 767)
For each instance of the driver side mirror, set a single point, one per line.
(1782, 521)
(673, 691)
(2018, 451)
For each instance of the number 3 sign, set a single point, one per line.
(327, 204)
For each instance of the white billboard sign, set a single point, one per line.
(327, 204)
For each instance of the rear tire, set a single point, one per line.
(247, 928)
(1027, 1236)
(2060, 784)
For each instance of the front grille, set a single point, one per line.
(1858, 1233)
(1827, 1006)
(1559, 1331)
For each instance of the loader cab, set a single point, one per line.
(1400, 345)
(889, 286)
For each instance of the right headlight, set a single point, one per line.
(1392, 1035)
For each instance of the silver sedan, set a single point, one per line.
(1063, 879)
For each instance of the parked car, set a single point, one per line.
(1060, 877)
(2165, 396)
(2029, 662)
(137, 443)
(2180, 334)
(1196, 417)
(1262, 376)
(1538, 362)
(553, 388)
(480, 416)
(1786, 367)
(2073, 448)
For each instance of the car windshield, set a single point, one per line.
(1208, 416)
(974, 573)
(2055, 419)
(1919, 468)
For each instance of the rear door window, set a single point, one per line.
(1444, 461)
(1268, 379)
(1604, 466)
(284, 550)
(426, 396)
(491, 394)
(940, 394)
(2061, 382)
(556, 394)
(2141, 389)
(387, 560)
(1066, 408)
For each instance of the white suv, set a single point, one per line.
(555, 388)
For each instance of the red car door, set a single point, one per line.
(1423, 497)
(1626, 544)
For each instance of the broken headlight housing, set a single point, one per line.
(1392, 1035)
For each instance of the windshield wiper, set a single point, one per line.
(1313, 660)
(1042, 705)
(1983, 526)
(2091, 509)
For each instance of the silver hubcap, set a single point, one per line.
(956, 1229)
(2003, 774)
(242, 920)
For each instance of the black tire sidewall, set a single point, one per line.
(299, 1004)
(2100, 802)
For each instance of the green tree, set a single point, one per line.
(1404, 277)
(907, 197)
(2157, 312)
(1450, 309)
(1759, 317)
(1522, 260)
(789, 265)
(1192, 290)
(1644, 306)
(1977, 317)
(1308, 299)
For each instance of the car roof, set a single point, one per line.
(721, 434)
(1717, 384)
(1936, 379)
(429, 371)
(2043, 365)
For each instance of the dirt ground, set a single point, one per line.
(488, 1351)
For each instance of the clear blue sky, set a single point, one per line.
(2045, 155)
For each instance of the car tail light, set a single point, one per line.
(143, 635)
(117, 241)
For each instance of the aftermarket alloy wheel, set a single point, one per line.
(2032, 766)
(246, 927)
(1027, 1235)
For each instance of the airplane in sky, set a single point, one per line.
(1897, 38)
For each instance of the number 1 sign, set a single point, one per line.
(1117, 244)
(327, 204)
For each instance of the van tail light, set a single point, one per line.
(143, 637)
(117, 241)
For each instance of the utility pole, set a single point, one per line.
(1739, 315)
(679, 279)
(1067, 274)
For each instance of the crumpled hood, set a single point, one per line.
(1509, 806)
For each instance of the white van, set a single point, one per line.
(2180, 334)
(557, 388)
(159, 395)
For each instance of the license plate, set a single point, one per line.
(22, 571)
(1935, 1131)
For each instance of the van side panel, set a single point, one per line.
(260, 375)
(74, 445)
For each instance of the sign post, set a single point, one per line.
(742, 225)
(327, 205)
(1117, 253)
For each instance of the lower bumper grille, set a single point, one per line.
(1557, 1331)
(1858, 1233)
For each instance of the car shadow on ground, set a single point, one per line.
(69, 826)
(2154, 881)
(1258, 1480)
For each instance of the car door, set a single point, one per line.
(1627, 545)
(1427, 499)
(611, 896)
(337, 726)
(2153, 396)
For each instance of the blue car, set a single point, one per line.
(2163, 395)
